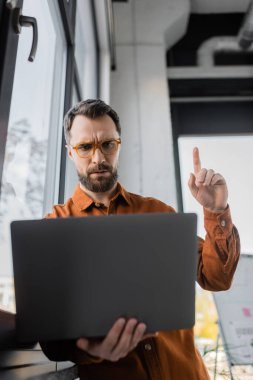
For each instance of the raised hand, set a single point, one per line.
(207, 187)
(120, 340)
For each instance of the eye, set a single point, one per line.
(109, 144)
(85, 147)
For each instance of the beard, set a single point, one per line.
(100, 184)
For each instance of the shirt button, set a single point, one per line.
(223, 223)
(148, 347)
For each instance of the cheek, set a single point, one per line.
(114, 161)
(81, 165)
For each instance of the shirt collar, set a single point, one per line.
(121, 192)
(83, 201)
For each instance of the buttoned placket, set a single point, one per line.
(223, 223)
(106, 210)
(151, 358)
(101, 207)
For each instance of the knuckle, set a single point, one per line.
(124, 354)
(112, 340)
(138, 334)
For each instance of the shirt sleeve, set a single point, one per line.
(219, 253)
(66, 350)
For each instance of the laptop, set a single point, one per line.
(74, 277)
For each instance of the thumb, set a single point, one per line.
(192, 185)
(82, 343)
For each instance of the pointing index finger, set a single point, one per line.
(196, 160)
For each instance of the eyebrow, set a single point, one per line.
(92, 141)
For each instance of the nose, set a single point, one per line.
(97, 156)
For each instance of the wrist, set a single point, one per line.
(217, 210)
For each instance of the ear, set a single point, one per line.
(69, 152)
(119, 149)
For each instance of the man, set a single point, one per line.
(92, 131)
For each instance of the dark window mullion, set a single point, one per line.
(77, 82)
(68, 15)
(70, 76)
(94, 22)
(8, 49)
(68, 12)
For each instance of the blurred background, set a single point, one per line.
(180, 74)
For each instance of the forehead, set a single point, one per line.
(85, 129)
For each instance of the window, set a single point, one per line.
(32, 152)
(33, 100)
(232, 156)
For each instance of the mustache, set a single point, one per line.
(100, 167)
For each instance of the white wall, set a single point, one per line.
(139, 92)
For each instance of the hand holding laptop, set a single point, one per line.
(207, 187)
(120, 340)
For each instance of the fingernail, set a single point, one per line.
(121, 321)
(143, 327)
(81, 344)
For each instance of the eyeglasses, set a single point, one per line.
(107, 147)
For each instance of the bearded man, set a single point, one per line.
(92, 132)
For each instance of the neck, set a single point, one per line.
(104, 197)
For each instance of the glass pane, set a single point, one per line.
(232, 156)
(30, 172)
(71, 178)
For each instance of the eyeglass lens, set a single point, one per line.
(106, 147)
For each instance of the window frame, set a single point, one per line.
(8, 47)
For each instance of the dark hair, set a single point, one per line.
(91, 108)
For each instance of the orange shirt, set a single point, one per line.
(171, 355)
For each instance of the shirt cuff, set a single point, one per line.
(85, 358)
(220, 224)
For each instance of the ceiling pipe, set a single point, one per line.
(228, 44)
(208, 49)
(245, 36)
